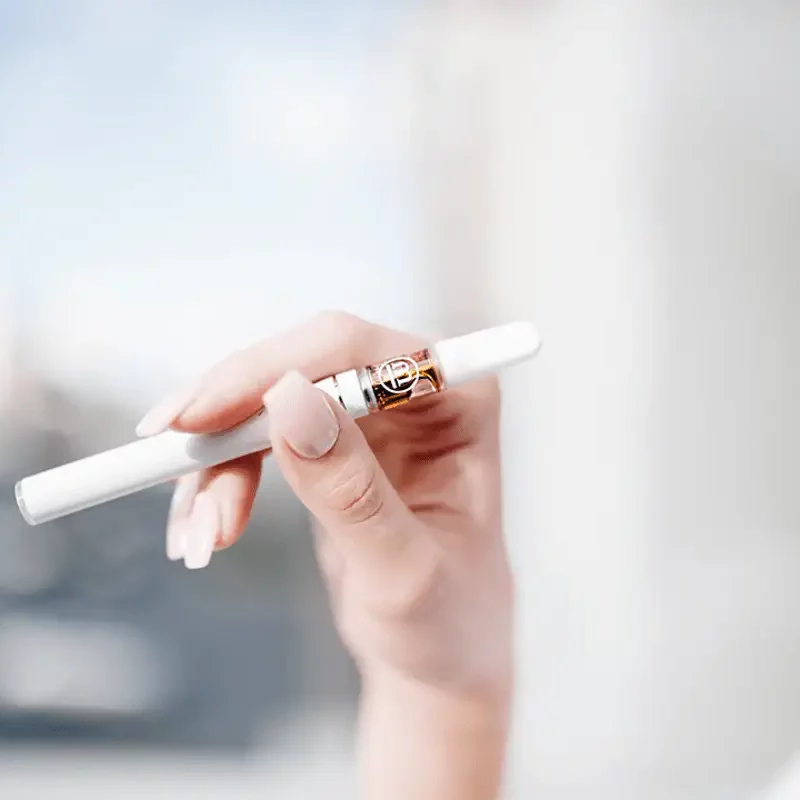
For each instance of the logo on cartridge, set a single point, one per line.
(398, 375)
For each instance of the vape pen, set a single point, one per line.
(147, 462)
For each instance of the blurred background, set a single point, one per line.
(178, 179)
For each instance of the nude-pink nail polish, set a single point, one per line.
(180, 509)
(301, 415)
(164, 413)
(202, 529)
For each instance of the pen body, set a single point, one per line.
(148, 462)
(378, 387)
(124, 470)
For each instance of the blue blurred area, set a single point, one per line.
(171, 175)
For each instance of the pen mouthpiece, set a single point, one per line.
(481, 353)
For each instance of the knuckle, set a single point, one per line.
(342, 328)
(327, 318)
(355, 494)
(338, 322)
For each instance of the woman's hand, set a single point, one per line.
(409, 538)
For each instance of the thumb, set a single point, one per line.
(328, 463)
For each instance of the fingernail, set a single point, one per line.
(176, 540)
(201, 534)
(300, 414)
(180, 508)
(163, 414)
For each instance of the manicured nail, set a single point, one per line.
(179, 511)
(202, 530)
(300, 414)
(163, 414)
(177, 536)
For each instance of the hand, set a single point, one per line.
(408, 520)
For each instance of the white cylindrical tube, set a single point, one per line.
(124, 470)
(148, 462)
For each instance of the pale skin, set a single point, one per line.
(406, 505)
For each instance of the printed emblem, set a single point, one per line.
(398, 375)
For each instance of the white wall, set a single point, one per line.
(642, 175)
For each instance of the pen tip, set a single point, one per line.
(23, 508)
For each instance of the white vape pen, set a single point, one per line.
(147, 462)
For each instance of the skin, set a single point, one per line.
(408, 529)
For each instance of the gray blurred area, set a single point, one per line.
(103, 642)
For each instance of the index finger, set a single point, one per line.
(331, 342)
